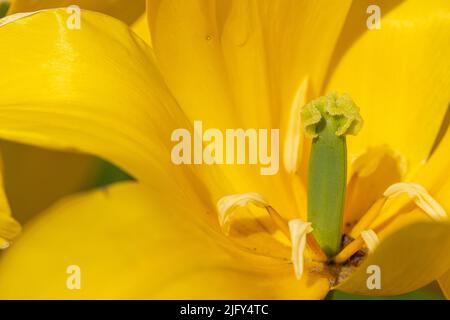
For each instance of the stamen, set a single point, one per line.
(226, 206)
(367, 237)
(295, 230)
(298, 230)
(368, 218)
(278, 220)
(352, 248)
(292, 143)
(421, 198)
(4, 244)
(371, 239)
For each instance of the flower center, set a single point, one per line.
(318, 244)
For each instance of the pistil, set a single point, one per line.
(327, 121)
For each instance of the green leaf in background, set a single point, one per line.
(107, 174)
(4, 6)
(430, 292)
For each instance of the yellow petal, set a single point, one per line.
(125, 10)
(408, 259)
(131, 242)
(444, 282)
(434, 175)
(94, 90)
(245, 58)
(243, 46)
(188, 50)
(398, 75)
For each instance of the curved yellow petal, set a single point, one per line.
(135, 243)
(399, 75)
(444, 283)
(94, 90)
(125, 10)
(408, 259)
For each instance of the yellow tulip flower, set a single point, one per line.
(226, 231)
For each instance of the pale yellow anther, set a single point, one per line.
(298, 230)
(421, 198)
(346, 253)
(292, 142)
(370, 239)
(226, 206)
(4, 244)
